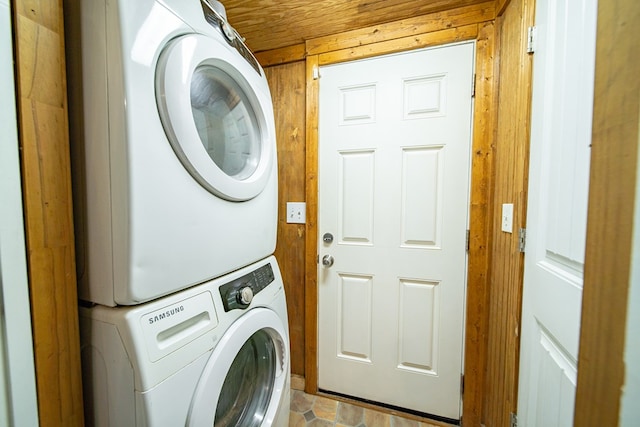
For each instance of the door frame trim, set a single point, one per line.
(459, 54)
(477, 296)
(612, 194)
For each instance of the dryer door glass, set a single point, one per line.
(225, 121)
(246, 392)
(218, 116)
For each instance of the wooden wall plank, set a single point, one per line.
(311, 179)
(282, 56)
(480, 226)
(45, 14)
(44, 142)
(510, 183)
(448, 19)
(287, 84)
(467, 32)
(501, 6)
(614, 157)
(267, 24)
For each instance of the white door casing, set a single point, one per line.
(394, 162)
(18, 392)
(562, 103)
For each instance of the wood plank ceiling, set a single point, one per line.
(272, 24)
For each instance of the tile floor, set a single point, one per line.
(319, 411)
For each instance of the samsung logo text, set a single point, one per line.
(168, 313)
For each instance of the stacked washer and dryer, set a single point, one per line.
(183, 315)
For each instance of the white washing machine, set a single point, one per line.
(216, 354)
(173, 148)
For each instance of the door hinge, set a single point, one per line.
(473, 87)
(522, 239)
(461, 384)
(514, 420)
(532, 32)
(316, 72)
(467, 242)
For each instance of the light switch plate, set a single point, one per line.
(296, 212)
(507, 217)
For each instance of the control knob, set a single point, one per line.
(228, 32)
(245, 295)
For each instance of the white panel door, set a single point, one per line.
(557, 210)
(394, 162)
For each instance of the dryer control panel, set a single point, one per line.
(239, 292)
(233, 38)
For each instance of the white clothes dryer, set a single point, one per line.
(173, 148)
(216, 354)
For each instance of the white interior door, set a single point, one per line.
(394, 162)
(557, 210)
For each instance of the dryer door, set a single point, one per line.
(217, 113)
(252, 357)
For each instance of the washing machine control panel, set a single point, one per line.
(240, 292)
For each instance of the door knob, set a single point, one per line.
(327, 261)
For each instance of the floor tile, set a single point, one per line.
(309, 415)
(325, 408)
(349, 415)
(403, 422)
(320, 411)
(318, 422)
(300, 401)
(377, 419)
(297, 420)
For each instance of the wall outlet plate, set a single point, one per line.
(507, 218)
(296, 212)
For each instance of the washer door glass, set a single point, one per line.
(245, 379)
(218, 116)
(246, 391)
(225, 121)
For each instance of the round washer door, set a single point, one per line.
(217, 113)
(252, 357)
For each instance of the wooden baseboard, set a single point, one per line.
(297, 382)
